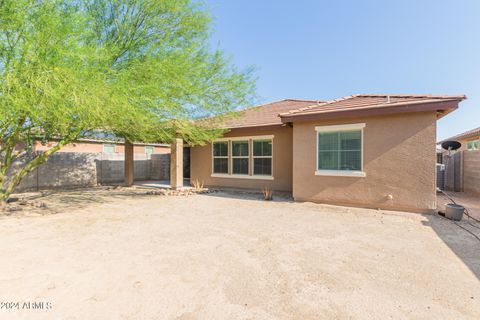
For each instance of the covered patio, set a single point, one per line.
(176, 181)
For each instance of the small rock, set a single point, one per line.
(14, 208)
(12, 199)
(41, 205)
(156, 192)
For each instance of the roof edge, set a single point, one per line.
(316, 102)
(256, 125)
(465, 135)
(434, 99)
(380, 110)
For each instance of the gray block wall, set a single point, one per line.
(462, 171)
(471, 171)
(70, 169)
(160, 167)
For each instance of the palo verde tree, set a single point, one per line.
(141, 69)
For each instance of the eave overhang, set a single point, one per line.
(442, 108)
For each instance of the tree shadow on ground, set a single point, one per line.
(56, 201)
(463, 244)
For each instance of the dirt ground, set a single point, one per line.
(125, 255)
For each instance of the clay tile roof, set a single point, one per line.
(465, 135)
(369, 102)
(267, 114)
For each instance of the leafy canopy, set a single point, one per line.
(141, 69)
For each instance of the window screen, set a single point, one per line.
(262, 157)
(149, 149)
(220, 157)
(240, 157)
(108, 148)
(341, 150)
(473, 145)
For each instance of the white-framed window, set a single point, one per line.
(240, 157)
(262, 157)
(243, 157)
(149, 149)
(109, 148)
(220, 157)
(340, 150)
(473, 145)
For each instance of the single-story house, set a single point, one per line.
(470, 139)
(365, 150)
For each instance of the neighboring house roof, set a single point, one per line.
(109, 137)
(109, 140)
(102, 136)
(468, 134)
(374, 104)
(118, 141)
(265, 115)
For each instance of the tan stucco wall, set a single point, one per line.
(399, 160)
(201, 162)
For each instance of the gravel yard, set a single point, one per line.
(117, 255)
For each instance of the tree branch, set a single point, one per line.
(31, 165)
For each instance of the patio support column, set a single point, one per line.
(128, 163)
(176, 164)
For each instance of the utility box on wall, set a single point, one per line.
(440, 176)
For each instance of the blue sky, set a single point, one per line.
(327, 49)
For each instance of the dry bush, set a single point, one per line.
(267, 193)
(197, 185)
